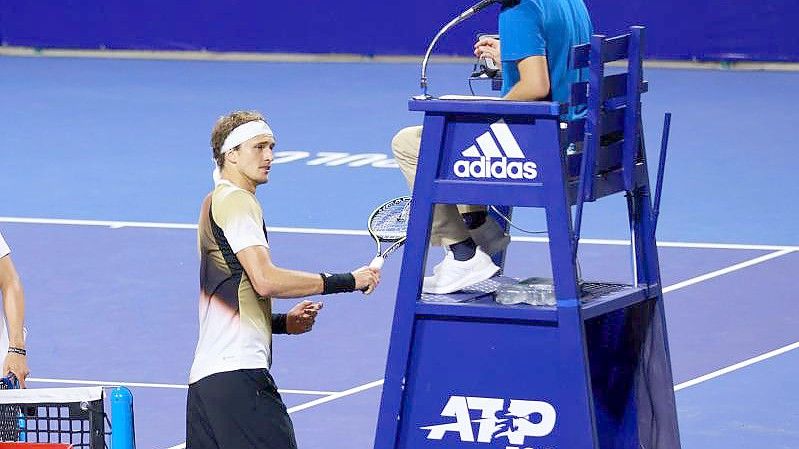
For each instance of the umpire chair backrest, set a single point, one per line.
(611, 128)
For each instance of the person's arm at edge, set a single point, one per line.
(533, 81)
(14, 308)
(272, 281)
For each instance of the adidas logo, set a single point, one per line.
(492, 157)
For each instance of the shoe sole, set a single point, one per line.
(474, 278)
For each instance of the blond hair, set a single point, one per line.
(224, 125)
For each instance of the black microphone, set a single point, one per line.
(481, 5)
(487, 66)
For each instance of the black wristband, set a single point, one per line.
(19, 351)
(279, 323)
(337, 283)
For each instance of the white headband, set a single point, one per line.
(245, 132)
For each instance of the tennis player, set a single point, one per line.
(12, 334)
(537, 37)
(233, 402)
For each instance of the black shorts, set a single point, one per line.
(237, 410)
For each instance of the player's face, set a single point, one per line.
(255, 158)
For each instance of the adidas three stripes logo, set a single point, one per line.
(492, 157)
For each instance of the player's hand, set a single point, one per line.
(17, 364)
(300, 319)
(488, 48)
(366, 279)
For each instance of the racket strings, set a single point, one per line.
(406, 212)
(391, 222)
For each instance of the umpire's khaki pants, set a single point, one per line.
(448, 227)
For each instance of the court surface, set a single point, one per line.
(105, 163)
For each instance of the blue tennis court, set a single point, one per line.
(106, 163)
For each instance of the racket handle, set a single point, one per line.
(377, 262)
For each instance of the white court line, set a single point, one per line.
(726, 270)
(110, 224)
(697, 245)
(323, 231)
(152, 385)
(335, 396)
(104, 383)
(737, 366)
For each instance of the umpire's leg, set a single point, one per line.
(447, 227)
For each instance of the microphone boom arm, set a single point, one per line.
(463, 16)
(423, 81)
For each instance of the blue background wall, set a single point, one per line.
(679, 29)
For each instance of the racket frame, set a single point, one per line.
(377, 262)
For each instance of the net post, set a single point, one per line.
(122, 434)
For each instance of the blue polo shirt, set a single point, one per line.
(544, 28)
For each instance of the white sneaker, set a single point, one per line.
(490, 237)
(448, 255)
(454, 275)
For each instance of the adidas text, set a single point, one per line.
(496, 169)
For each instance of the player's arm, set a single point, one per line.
(533, 81)
(298, 320)
(14, 308)
(272, 281)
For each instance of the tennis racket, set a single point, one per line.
(389, 224)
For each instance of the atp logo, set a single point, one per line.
(490, 158)
(519, 420)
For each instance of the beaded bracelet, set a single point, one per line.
(19, 351)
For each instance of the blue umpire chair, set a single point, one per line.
(594, 370)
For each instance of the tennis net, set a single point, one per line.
(74, 416)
